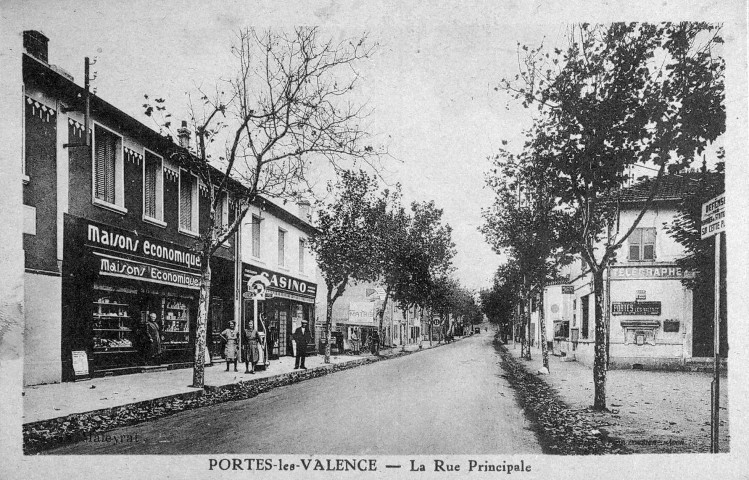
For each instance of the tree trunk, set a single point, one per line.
(198, 370)
(607, 315)
(542, 326)
(528, 323)
(328, 327)
(599, 362)
(431, 322)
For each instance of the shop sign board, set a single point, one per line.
(280, 282)
(714, 216)
(642, 272)
(568, 289)
(116, 240)
(636, 308)
(80, 363)
(361, 313)
(124, 268)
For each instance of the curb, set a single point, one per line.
(55, 432)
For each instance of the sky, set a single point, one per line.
(430, 84)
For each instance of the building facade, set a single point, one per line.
(112, 222)
(653, 320)
(274, 243)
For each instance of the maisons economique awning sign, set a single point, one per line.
(119, 253)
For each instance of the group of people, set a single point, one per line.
(373, 342)
(252, 342)
(250, 353)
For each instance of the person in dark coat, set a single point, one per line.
(155, 348)
(301, 337)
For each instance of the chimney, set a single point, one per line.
(183, 134)
(305, 211)
(36, 44)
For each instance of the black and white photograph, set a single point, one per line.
(327, 239)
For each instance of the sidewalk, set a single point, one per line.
(652, 411)
(45, 402)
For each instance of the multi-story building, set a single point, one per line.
(111, 225)
(274, 243)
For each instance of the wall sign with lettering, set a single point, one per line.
(636, 308)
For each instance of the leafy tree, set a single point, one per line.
(284, 110)
(700, 254)
(619, 95)
(346, 239)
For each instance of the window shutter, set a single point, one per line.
(185, 202)
(109, 168)
(104, 166)
(255, 236)
(150, 186)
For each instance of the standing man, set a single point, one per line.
(301, 338)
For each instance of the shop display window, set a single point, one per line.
(112, 323)
(176, 324)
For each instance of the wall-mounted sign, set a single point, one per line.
(120, 267)
(568, 289)
(665, 272)
(130, 243)
(636, 308)
(80, 363)
(361, 313)
(279, 282)
(714, 216)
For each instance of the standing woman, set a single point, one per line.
(251, 347)
(155, 348)
(230, 337)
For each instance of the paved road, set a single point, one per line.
(448, 400)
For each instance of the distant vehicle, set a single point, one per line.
(477, 330)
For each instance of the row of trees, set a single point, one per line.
(365, 234)
(616, 96)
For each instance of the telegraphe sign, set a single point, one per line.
(663, 272)
(714, 216)
(636, 308)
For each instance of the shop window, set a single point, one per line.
(301, 254)
(642, 244)
(188, 203)
(256, 236)
(584, 303)
(153, 189)
(281, 247)
(108, 170)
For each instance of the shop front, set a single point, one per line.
(114, 280)
(288, 301)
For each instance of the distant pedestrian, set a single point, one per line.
(230, 336)
(155, 345)
(375, 343)
(301, 338)
(354, 342)
(251, 347)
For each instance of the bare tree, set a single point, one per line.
(285, 112)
